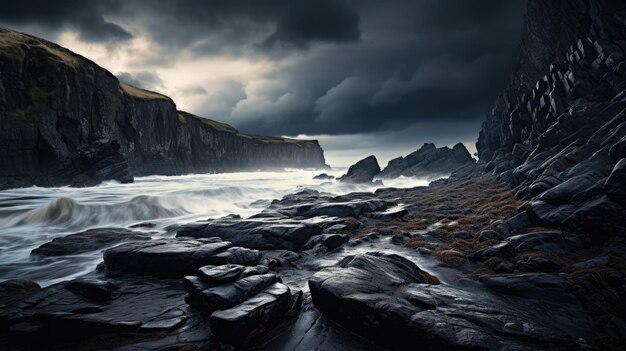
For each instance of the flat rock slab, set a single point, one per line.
(255, 234)
(67, 314)
(226, 295)
(175, 258)
(89, 240)
(387, 298)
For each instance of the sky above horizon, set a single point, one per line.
(362, 76)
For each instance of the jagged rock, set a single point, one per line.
(172, 258)
(551, 241)
(428, 161)
(256, 317)
(363, 171)
(326, 242)
(324, 176)
(254, 234)
(89, 240)
(615, 185)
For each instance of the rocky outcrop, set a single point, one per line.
(558, 132)
(428, 161)
(363, 171)
(65, 120)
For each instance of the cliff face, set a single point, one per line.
(65, 120)
(558, 133)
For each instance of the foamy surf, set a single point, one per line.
(32, 216)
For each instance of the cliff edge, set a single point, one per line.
(65, 120)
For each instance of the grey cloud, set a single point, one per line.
(85, 17)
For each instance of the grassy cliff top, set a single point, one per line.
(227, 128)
(142, 93)
(219, 126)
(12, 44)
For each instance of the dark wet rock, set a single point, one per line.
(536, 264)
(486, 235)
(326, 242)
(532, 285)
(18, 286)
(143, 225)
(89, 240)
(58, 315)
(254, 234)
(363, 171)
(355, 208)
(389, 214)
(504, 267)
(220, 274)
(223, 296)
(174, 257)
(91, 289)
(255, 318)
(428, 161)
(324, 176)
(615, 185)
(599, 261)
(462, 234)
(384, 297)
(400, 239)
(550, 241)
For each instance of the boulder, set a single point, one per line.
(548, 241)
(254, 234)
(172, 258)
(255, 318)
(363, 171)
(324, 176)
(227, 295)
(89, 240)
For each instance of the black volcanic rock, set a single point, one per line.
(428, 161)
(173, 258)
(557, 133)
(89, 240)
(254, 234)
(67, 121)
(363, 171)
(389, 299)
(324, 176)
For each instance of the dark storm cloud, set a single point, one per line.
(417, 61)
(341, 66)
(85, 17)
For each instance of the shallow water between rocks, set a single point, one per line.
(32, 216)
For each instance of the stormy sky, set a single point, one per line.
(362, 76)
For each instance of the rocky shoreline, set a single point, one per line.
(358, 271)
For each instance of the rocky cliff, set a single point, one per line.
(428, 161)
(558, 133)
(65, 120)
